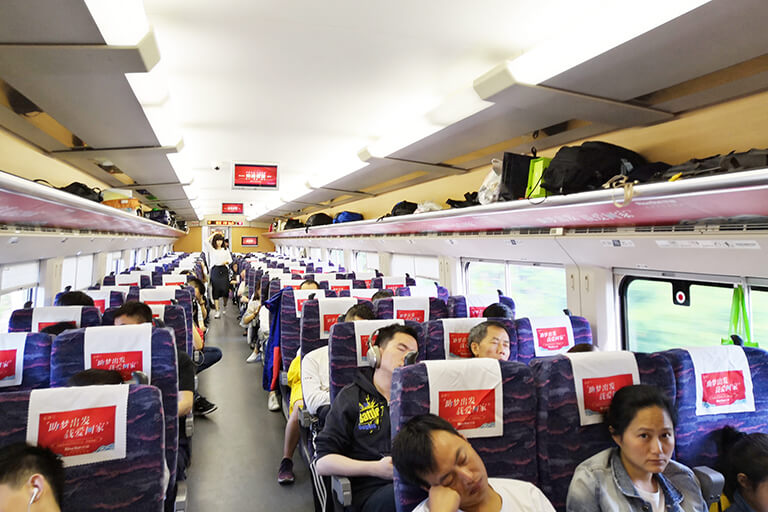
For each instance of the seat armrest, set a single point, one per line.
(305, 418)
(181, 496)
(711, 483)
(284, 379)
(189, 424)
(342, 489)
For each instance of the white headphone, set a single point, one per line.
(35, 492)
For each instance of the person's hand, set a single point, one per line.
(443, 499)
(384, 469)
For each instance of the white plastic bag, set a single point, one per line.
(427, 206)
(491, 187)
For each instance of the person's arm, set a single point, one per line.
(443, 499)
(186, 370)
(197, 340)
(311, 383)
(251, 313)
(339, 465)
(186, 400)
(583, 492)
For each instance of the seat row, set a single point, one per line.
(140, 436)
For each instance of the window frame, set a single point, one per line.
(627, 279)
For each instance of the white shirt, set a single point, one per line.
(516, 496)
(656, 499)
(219, 257)
(315, 379)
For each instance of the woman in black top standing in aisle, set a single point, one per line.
(220, 260)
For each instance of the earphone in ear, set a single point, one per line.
(35, 493)
(374, 352)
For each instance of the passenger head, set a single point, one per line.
(395, 341)
(360, 311)
(217, 241)
(197, 285)
(95, 377)
(30, 475)
(429, 452)
(746, 467)
(132, 313)
(57, 328)
(498, 310)
(641, 421)
(309, 284)
(382, 294)
(74, 299)
(489, 339)
(28, 304)
(582, 347)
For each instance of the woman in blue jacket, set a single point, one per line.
(639, 473)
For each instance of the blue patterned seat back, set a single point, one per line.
(435, 344)
(184, 297)
(512, 455)
(290, 327)
(21, 319)
(123, 485)
(133, 294)
(342, 354)
(310, 326)
(157, 278)
(384, 308)
(582, 333)
(108, 280)
(175, 318)
(68, 358)
(457, 305)
(697, 437)
(442, 292)
(376, 282)
(37, 363)
(562, 442)
(145, 281)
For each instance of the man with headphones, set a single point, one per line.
(31, 479)
(356, 439)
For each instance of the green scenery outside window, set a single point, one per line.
(537, 291)
(759, 316)
(485, 277)
(654, 322)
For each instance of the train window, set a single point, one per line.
(537, 290)
(759, 316)
(133, 258)
(10, 302)
(20, 275)
(84, 274)
(337, 257)
(655, 320)
(424, 269)
(485, 277)
(114, 263)
(316, 253)
(68, 272)
(366, 261)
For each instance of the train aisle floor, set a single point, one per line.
(236, 450)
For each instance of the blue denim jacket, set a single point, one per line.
(601, 483)
(739, 505)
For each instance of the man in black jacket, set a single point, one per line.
(355, 441)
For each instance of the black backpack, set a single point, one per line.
(319, 219)
(293, 224)
(587, 167)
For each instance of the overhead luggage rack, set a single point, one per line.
(726, 197)
(24, 203)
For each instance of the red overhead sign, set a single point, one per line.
(232, 208)
(255, 176)
(249, 241)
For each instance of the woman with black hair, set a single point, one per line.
(639, 473)
(220, 260)
(745, 466)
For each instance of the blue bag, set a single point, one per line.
(347, 217)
